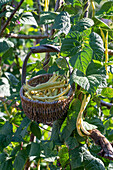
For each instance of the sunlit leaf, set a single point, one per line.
(3, 2)
(5, 45)
(88, 126)
(81, 157)
(82, 59)
(11, 78)
(27, 18)
(96, 44)
(61, 62)
(47, 17)
(71, 44)
(64, 156)
(94, 77)
(105, 7)
(62, 23)
(84, 24)
(107, 92)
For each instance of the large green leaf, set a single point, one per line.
(71, 44)
(35, 150)
(3, 2)
(88, 126)
(84, 24)
(11, 78)
(96, 44)
(105, 8)
(62, 23)
(82, 59)
(5, 45)
(7, 165)
(72, 142)
(47, 17)
(21, 158)
(81, 157)
(28, 19)
(94, 77)
(64, 156)
(98, 22)
(6, 133)
(32, 66)
(4, 87)
(70, 122)
(21, 130)
(55, 131)
(107, 92)
(49, 149)
(61, 62)
(35, 130)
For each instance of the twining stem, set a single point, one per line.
(93, 8)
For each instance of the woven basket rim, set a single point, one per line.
(37, 101)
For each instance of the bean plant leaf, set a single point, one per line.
(82, 59)
(84, 24)
(94, 77)
(105, 7)
(98, 22)
(49, 149)
(21, 130)
(70, 122)
(98, 1)
(32, 66)
(3, 2)
(64, 156)
(72, 142)
(81, 157)
(28, 18)
(88, 126)
(56, 131)
(5, 45)
(4, 87)
(21, 158)
(61, 62)
(11, 78)
(47, 17)
(7, 165)
(35, 150)
(107, 92)
(96, 44)
(35, 130)
(71, 44)
(6, 133)
(62, 23)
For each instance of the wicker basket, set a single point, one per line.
(42, 112)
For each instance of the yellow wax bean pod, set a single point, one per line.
(46, 85)
(53, 97)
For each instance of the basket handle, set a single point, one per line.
(37, 49)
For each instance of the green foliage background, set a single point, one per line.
(82, 45)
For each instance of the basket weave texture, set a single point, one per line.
(44, 112)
